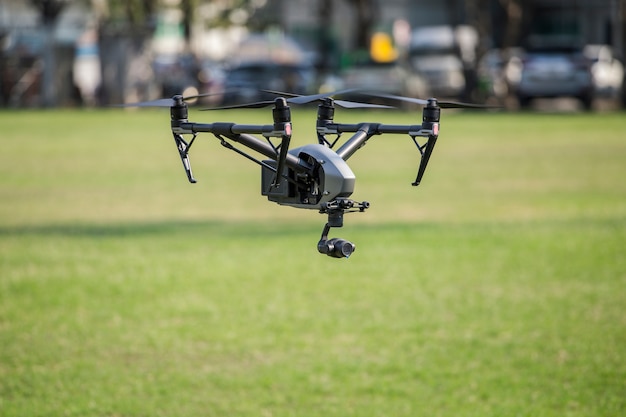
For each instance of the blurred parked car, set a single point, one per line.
(267, 62)
(175, 73)
(607, 71)
(443, 55)
(555, 71)
(243, 82)
(390, 78)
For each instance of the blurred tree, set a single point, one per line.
(124, 27)
(134, 14)
(366, 17)
(325, 15)
(514, 12)
(499, 24)
(49, 11)
(187, 7)
(479, 16)
(623, 51)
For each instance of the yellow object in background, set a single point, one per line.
(382, 49)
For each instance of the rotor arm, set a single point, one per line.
(380, 129)
(364, 131)
(262, 147)
(221, 128)
(244, 134)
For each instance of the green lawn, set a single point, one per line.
(495, 288)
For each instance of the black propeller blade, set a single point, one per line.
(255, 105)
(300, 99)
(167, 102)
(358, 105)
(442, 104)
(315, 97)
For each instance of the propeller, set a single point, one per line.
(167, 102)
(255, 105)
(441, 104)
(300, 99)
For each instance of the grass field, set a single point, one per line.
(496, 288)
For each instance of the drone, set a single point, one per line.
(314, 176)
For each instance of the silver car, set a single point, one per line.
(555, 72)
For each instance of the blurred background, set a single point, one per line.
(514, 53)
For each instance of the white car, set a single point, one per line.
(555, 72)
(607, 71)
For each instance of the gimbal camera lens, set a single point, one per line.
(336, 248)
